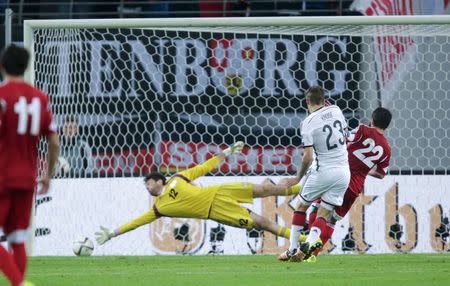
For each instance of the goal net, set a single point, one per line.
(134, 96)
(165, 98)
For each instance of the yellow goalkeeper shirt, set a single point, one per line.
(180, 198)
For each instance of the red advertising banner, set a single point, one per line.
(178, 156)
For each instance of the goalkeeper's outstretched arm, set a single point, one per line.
(105, 234)
(208, 166)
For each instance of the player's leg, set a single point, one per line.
(338, 214)
(17, 226)
(7, 263)
(263, 223)
(298, 223)
(226, 209)
(336, 185)
(269, 188)
(313, 240)
(310, 191)
(313, 208)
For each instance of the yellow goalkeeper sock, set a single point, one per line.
(286, 233)
(292, 190)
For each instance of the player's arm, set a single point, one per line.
(52, 148)
(52, 157)
(105, 234)
(304, 166)
(307, 158)
(380, 169)
(375, 174)
(208, 166)
(202, 169)
(306, 162)
(355, 134)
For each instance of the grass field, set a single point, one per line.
(398, 269)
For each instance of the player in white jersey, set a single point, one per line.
(325, 149)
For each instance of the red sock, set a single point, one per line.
(9, 268)
(320, 223)
(299, 218)
(325, 235)
(312, 218)
(20, 256)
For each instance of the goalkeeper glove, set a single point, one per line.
(236, 148)
(104, 235)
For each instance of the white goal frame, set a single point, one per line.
(186, 23)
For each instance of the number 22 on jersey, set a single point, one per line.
(362, 154)
(23, 110)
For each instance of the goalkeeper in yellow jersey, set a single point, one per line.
(178, 197)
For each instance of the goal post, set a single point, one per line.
(165, 94)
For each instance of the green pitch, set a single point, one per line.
(398, 269)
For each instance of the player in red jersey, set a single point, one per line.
(25, 116)
(369, 153)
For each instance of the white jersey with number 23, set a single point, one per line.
(329, 175)
(324, 130)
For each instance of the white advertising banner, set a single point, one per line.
(399, 213)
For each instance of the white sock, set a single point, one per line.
(295, 234)
(314, 235)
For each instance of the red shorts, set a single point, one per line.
(349, 199)
(15, 210)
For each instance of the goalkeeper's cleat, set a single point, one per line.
(236, 148)
(286, 255)
(305, 251)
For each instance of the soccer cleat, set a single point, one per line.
(311, 259)
(286, 255)
(27, 283)
(305, 251)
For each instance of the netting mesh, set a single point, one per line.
(129, 101)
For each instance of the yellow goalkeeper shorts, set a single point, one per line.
(226, 206)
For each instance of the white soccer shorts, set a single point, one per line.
(328, 184)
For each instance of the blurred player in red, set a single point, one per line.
(25, 116)
(369, 153)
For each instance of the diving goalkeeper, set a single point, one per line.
(178, 197)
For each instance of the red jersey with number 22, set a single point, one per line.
(367, 148)
(25, 115)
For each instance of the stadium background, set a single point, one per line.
(134, 126)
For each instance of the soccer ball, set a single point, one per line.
(62, 166)
(83, 247)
